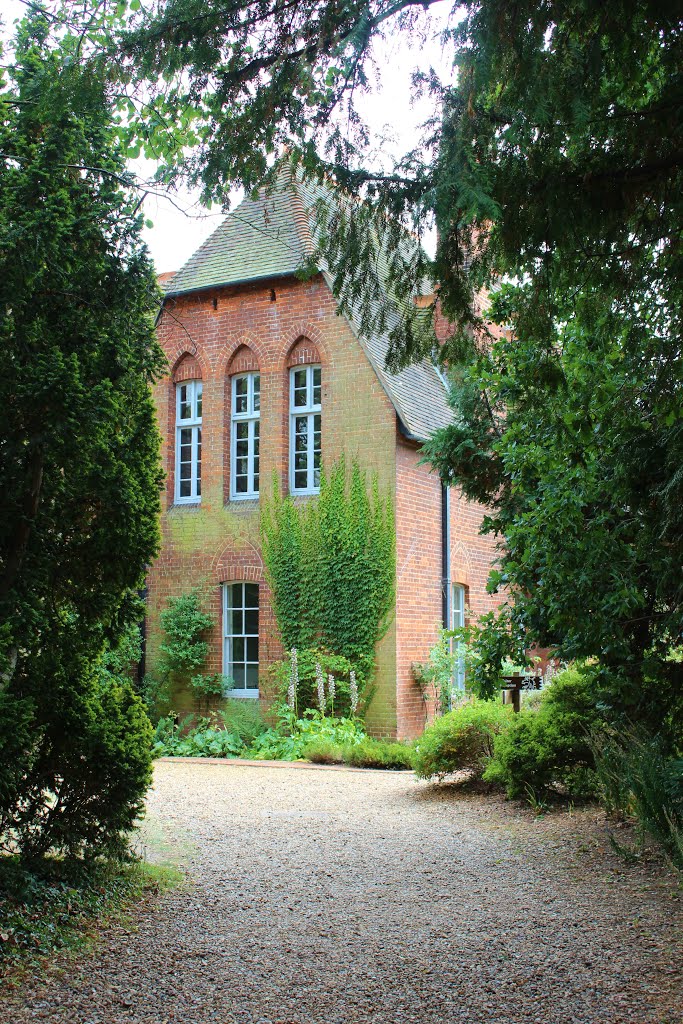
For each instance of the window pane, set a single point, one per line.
(186, 436)
(241, 485)
(301, 461)
(199, 401)
(237, 622)
(252, 648)
(316, 478)
(251, 595)
(252, 677)
(185, 470)
(300, 378)
(316, 376)
(238, 674)
(241, 430)
(238, 648)
(257, 393)
(256, 479)
(241, 395)
(301, 443)
(300, 481)
(235, 593)
(185, 489)
(251, 623)
(301, 424)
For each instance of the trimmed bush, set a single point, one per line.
(366, 753)
(322, 751)
(461, 740)
(370, 753)
(549, 750)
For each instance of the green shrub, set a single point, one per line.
(371, 753)
(206, 739)
(322, 751)
(461, 740)
(366, 753)
(637, 778)
(549, 750)
(290, 740)
(243, 718)
(80, 793)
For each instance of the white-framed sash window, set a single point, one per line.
(458, 622)
(245, 435)
(188, 442)
(240, 637)
(305, 417)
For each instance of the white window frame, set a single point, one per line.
(229, 636)
(193, 423)
(458, 595)
(310, 410)
(252, 417)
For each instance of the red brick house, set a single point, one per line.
(264, 375)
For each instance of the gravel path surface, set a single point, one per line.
(350, 897)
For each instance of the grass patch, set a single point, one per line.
(58, 905)
(368, 753)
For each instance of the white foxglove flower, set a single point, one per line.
(353, 688)
(293, 680)
(331, 687)
(320, 683)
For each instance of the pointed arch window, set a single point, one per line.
(305, 429)
(245, 435)
(188, 447)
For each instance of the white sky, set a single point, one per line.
(389, 110)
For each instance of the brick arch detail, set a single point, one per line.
(187, 368)
(460, 565)
(230, 350)
(231, 572)
(229, 565)
(303, 332)
(243, 360)
(185, 352)
(303, 351)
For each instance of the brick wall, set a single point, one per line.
(270, 327)
(419, 608)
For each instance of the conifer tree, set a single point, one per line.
(79, 452)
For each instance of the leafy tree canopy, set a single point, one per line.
(552, 167)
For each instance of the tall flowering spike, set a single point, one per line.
(320, 683)
(293, 680)
(353, 688)
(331, 687)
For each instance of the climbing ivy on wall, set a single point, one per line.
(331, 566)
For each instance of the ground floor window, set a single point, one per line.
(457, 622)
(240, 637)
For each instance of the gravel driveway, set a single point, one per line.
(321, 896)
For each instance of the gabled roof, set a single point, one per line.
(271, 237)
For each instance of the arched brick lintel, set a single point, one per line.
(231, 353)
(232, 572)
(186, 364)
(243, 360)
(303, 351)
(303, 336)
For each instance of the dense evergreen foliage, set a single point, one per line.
(79, 454)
